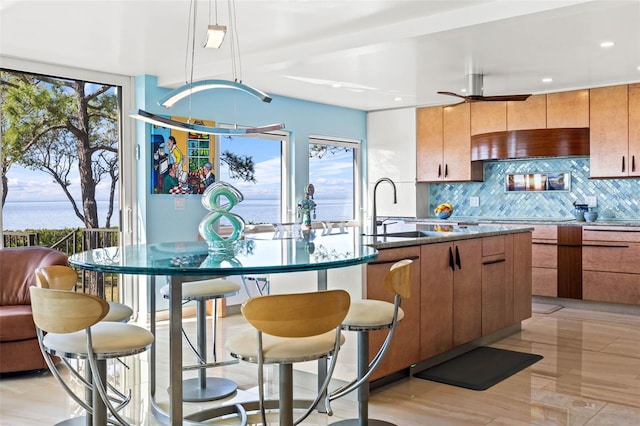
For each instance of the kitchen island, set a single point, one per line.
(471, 285)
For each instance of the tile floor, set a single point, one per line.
(590, 375)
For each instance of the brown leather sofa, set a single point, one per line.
(19, 349)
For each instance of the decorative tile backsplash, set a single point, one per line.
(616, 198)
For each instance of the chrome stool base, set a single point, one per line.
(358, 422)
(215, 388)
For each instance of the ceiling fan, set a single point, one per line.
(475, 90)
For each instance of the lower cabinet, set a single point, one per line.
(610, 264)
(405, 347)
(450, 295)
(460, 291)
(544, 268)
(506, 281)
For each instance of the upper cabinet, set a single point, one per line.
(488, 117)
(613, 152)
(443, 144)
(390, 135)
(568, 109)
(529, 114)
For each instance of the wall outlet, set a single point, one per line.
(591, 201)
(179, 203)
(474, 201)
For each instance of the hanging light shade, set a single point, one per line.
(215, 36)
(169, 123)
(198, 86)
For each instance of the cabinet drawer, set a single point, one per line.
(545, 232)
(597, 233)
(611, 257)
(492, 246)
(544, 282)
(544, 255)
(611, 287)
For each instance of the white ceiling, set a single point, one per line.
(375, 50)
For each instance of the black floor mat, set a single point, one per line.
(480, 368)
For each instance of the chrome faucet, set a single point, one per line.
(374, 219)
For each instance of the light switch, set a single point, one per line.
(474, 201)
(179, 203)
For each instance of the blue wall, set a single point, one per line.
(158, 215)
(617, 198)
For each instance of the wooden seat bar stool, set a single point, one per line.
(203, 388)
(288, 328)
(365, 316)
(74, 329)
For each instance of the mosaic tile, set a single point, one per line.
(617, 198)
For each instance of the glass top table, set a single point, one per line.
(264, 253)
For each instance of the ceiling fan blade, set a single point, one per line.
(504, 98)
(453, 94)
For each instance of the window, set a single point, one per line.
(262, 189)
(334, 171)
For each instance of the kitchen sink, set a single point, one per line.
(415, 234)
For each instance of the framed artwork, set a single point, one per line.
(182, 162)
(551, 181)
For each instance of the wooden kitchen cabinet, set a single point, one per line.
(544, 261)
(634, 129)
(506, 281)
(568, 109)
(450, 295)
(610, 267)
(488, 117)
(497, 284)
(405, 346)
(443, 145)
(529, 114)
(609, 133)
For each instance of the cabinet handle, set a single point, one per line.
(386, 262)
(605, 245)
(446, 170)
(458, 258)
(633, 163)
(545, 244)
(491, 262)
(439, 170)
(451, 260)
(623, 164)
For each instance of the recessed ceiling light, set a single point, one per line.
(336, 85)
(397, 98)
(547, 80)
(463, 90)
(638, 67)
(606, 44)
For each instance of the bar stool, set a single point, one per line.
(369, 315)
(205, 388)
(59, 277)
(290, 328)
(73, 327)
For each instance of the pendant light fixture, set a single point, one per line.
(215, 33)
(192, 87)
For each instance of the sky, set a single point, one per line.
(331, 176)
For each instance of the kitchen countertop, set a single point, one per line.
(472, 220)
(400, 234)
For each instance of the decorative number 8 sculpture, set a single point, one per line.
(211, 202)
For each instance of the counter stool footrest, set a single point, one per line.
(241, 409)
(210, 365)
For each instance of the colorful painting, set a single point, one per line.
(538, 182)
(182, 162)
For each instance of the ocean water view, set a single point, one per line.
(17, 216)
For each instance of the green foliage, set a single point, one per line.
(240, 166)
(319, 150)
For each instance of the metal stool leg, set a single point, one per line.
(363, 390)
(205, 388)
